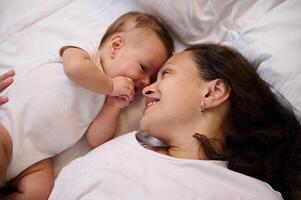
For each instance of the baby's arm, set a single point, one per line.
(104, 126)
(79, 67)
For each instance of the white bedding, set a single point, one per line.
(266, 32)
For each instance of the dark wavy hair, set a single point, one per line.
(262, 136)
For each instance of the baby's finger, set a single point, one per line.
(7, 74)
(5, 83)
(130, 93)
(131, 82)
(3, 100)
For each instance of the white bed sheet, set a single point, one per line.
(30, 30)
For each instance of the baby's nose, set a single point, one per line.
(145, 81)
(141, 83)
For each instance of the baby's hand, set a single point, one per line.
(120, 102)
(123, 87)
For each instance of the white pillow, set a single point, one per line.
(274, 46)
(267, 33)
(196, 21)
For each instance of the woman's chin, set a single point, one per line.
(143, 123)
(146, 123)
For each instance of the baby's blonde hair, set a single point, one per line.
(133, 20)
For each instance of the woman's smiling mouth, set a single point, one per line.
(149, 102)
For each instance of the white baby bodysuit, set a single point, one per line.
(47, 112)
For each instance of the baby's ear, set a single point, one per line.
(218, 92)
(116, 42)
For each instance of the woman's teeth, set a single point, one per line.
(151, 103)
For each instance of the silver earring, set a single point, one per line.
(203, 108)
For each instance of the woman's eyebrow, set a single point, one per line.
(161, 69)
(166, 66)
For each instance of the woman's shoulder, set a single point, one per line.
(252, 188)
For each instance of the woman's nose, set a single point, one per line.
(148, 90)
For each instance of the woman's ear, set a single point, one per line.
(116, 42)
(217, 93)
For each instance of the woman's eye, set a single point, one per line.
(164, 72)
(144, 69)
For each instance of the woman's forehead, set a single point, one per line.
(181, 60)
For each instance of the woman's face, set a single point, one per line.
(174, 100)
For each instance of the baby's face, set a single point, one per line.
(138, 59)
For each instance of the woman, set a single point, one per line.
(224, 134)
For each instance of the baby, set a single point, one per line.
(130, 53)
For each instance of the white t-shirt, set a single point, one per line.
(123, 169)
(47, 113)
